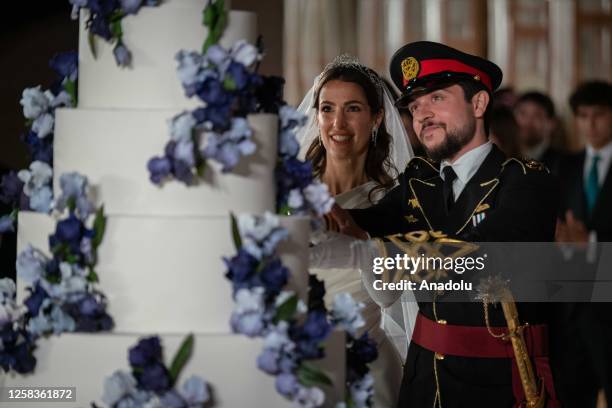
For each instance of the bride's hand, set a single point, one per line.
(341, 221)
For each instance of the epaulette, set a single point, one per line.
(420, 163)
(526, 165)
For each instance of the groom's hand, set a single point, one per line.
(338, 219)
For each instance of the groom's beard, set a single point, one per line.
(455, 140)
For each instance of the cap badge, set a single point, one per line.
(410, 68)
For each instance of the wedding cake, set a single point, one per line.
(160, 264)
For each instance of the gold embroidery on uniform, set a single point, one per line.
(414, 195)
(516, 160)
(411, 219)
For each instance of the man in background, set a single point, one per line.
(585, 217)
(535, 115)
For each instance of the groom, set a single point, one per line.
(469, 190)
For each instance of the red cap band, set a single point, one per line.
(434, 66)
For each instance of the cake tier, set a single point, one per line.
(227, 362)
(112, 149)
(153, 36)
(166, 274)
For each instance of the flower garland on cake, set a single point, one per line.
(104, 21)
(30, 189)
(62, 294)
(151, 383)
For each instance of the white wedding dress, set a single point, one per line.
(392, 340)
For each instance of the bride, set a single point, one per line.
(356, 141)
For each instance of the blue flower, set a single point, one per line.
(43, 125)
(288, 146)
(212, 92)
(172, 399)
(130, 6)
(69, 232)
(7, 224)
(117, 386)
(293, 173)
(267, 361)
(361, 352)
(318, 197)
(274, 276)
(123, 57)
(347, 313)
(315, 330)
(159, 169)
(286, 384)
(99, 25)
(195, 391)
(10, 188)
(154, 377)
(31, 264)
(239, 75)
(181, 127)
(16, 351)
(41, 199)
(65, 64)
(290, 118)
(147, 351)
(241, 269)
(183, 152)
(34, 102)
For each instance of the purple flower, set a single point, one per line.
(172, 399)
(130, 6)
(294, 173)
(159, 169)
(212, 92)
(17, 350)
(183, 171)
(147, 351)
(10, 188)
(40, 149)
(122, 55)
(274, 276)
(316, 328)
(65, 64)
(99, 25)
(267, 361)
(35, 300)
(361, 352)
(241, 268)
(286, 384)
(154, 377)
(68, 231)
(239, 75)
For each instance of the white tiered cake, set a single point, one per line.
(160, 262)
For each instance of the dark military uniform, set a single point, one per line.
(453, 361)
(506, 200)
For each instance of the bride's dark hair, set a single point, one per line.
(378, 165)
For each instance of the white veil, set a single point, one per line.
(398, 311)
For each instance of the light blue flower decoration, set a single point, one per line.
(362, 391)
(195, 391)
(75, 187)
(31, 264)
(116, 387)
(261, 234)
(347, 313)
(34, 102)
(317, 194)
(181, 126)
(43, 125)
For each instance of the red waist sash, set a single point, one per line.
(476, 341)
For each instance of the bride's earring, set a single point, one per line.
(374, 135)
(319, 139)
